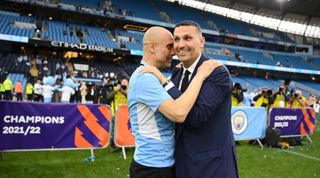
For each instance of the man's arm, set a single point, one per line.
(178, 109)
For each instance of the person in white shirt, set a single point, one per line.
(66, 94)
(37, 90)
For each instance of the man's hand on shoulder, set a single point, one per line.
(208, 66)
(153, 70)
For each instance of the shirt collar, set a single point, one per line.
(193, 66)
(144, 63)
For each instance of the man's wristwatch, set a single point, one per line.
(166, 83)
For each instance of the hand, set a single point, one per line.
(153, 70)
(179, 65)
(207, 67)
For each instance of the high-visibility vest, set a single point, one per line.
(7, 84)
(18, 88)
(29, 89)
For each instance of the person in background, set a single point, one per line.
(298, 101)
(37, 90)
(29, 91)
(264, 99)
(247, 100)
(237, 95)
(252, 95)
(1, 91)
(281, 97)
(8, 87)
(18, 90)
(117, 97)
(83, 92)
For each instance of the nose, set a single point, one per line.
(179, 44)
(172, 52)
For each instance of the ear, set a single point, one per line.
(202, 41)
(152, 48)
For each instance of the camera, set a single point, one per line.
(123, 87)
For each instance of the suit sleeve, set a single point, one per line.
(213, 92)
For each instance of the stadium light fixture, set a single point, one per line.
(135, 27)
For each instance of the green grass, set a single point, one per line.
(253, 162)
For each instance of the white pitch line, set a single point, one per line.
(300, 154)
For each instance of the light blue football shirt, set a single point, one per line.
(153, 132)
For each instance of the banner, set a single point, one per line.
(293, 122)
(248, 122)
(55, 125)
(123, 131)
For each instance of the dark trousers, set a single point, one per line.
(19, 96)
(139, 171)
(30, 97)
(7, 95)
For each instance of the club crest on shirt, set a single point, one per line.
(239, 121)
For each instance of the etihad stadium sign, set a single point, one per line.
(81, 46)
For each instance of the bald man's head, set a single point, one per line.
(158, 47)
(155, 35)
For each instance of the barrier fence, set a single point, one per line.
(39, 126)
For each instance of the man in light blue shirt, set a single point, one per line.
(152, 111)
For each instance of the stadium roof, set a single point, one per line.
(309, 8)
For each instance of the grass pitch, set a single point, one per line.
(254, 162)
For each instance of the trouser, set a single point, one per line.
(7, 95)
(19, 96)
(140, 171)
(37, 97)
(29, 97)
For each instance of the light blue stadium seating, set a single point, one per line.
(140, 8)
(7, 25)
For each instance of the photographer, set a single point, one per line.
(237, 95)
(117, 97)
(281, 97)
(298, 101)
(264, 99)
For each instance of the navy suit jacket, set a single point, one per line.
(205, 146)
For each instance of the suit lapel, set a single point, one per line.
(176, 77)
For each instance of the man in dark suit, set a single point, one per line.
(205, 146)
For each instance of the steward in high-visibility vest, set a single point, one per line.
(29, 91)
(1, 91)
(7, 85)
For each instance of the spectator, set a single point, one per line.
(83, 92)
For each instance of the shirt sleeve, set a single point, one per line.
(150, 92)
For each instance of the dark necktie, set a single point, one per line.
(185, 81)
